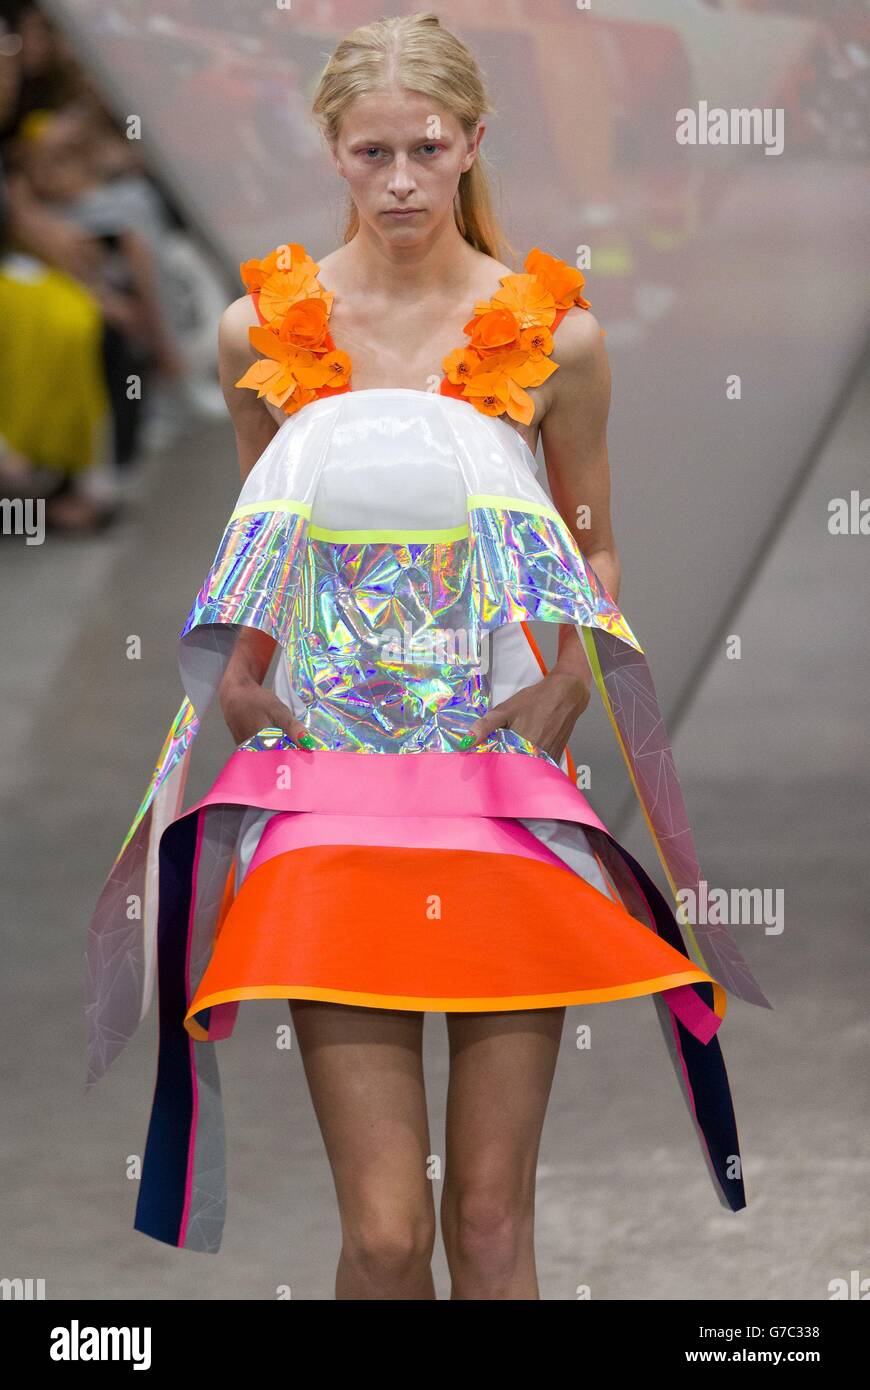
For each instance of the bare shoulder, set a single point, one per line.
(235, 352)
(251, 417)
(332, 268)
(579, 341)
(331, 258)
(584, 370)
(497, 267)
(235, 321)
(489, 270)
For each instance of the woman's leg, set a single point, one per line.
(365, 1074)
(501, 1072)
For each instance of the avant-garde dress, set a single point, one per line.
(395, 543)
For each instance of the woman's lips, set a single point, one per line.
(402, 212)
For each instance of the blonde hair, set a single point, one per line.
(416, 53)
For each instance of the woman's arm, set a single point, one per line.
(574, 436)
(253, 424)
(246, 706)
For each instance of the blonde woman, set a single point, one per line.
(399, 830)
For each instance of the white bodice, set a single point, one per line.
(382, 456)
(390, 462)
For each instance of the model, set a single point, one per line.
(399, 829)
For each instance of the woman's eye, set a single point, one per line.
(429, 148)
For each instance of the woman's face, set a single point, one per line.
(402, 157)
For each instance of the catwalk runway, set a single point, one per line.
(772, 755)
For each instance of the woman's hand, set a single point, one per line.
(545, 713)
(248, 708)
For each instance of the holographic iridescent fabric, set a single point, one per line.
(384, 653)
(514, 563)
(182, 731)
(384, 643)
(525, 565)
(255, 575)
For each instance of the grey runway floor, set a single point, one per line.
(773, 759)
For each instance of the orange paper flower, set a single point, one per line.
(282, 259)
(300, 361)
(508, 353)
(459, 365)
(493, 329)
(511, 338)
(563, 281)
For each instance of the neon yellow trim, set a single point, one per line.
(515, 504)
(396, 537)
(455, 1004)
(279, 504)
(450, 533)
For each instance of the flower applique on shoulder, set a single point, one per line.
(511, 338)
(509, 349)
(300, 361)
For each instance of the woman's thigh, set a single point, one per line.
(364, 1070)
(501, 1075)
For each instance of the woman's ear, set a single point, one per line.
(472, 153)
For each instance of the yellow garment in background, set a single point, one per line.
(54, 406)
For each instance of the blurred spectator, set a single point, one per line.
(55, 421)
(45, 73)
(56, 160)
(54, 406)
(81, 299)
(104, 293)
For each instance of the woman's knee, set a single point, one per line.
(487, 1223)
(388, 1239)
